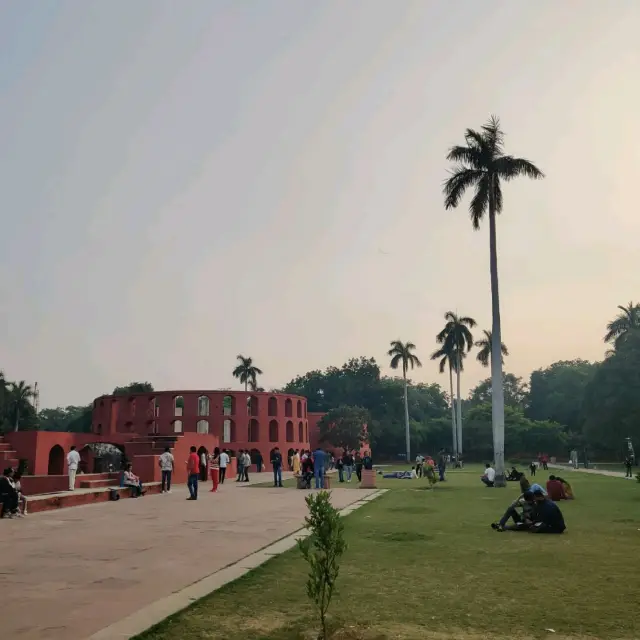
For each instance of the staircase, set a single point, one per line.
(8, 456)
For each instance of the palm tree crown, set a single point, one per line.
(485, 345)
(482, 164)
(626, 321)
(456, 336)
(247, 372)
(401, 353)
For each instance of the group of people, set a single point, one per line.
(13, 503)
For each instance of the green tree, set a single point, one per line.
(485, 346)
(448, 359)
(246, 372)
(20, 395)
(456, 339)
(557, 393)
(322, 550)
(133, 387)
(626, 321)
(481, 164)
(343, 427)
(516, 392)
(401, 354)
(612, 399)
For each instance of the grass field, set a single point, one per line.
(426, 564)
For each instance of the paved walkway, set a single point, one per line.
(69, 573)
(600, 472)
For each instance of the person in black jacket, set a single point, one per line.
(547, 517)
(8, 495)
(276, 462)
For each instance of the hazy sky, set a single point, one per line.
(185, 181)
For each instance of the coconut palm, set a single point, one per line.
(457, 340)
(485, 346)
(626, 321)
(20, 395)
(481, 164)
(246, 372)
(448, 358)
(401, 354)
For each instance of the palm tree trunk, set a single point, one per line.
(17, 418)
(406, 417)
(459, 407)
(497, 390)
(453, 411)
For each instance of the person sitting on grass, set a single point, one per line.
(555, 489)
(568, 489)
(132, 480)
(520, 511)
(489, 476)
(514, 475)
(547, 515)
(524, 484)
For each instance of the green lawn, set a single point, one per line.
(426, 564)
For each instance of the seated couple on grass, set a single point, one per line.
(559, 489)
(532, 512)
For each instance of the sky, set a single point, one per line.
(181, 183)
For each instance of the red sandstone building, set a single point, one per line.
(142, 425)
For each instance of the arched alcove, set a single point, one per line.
(252, 406)
(203, 406)
(289, 431)
(254, 431)
(299, 409)
(288, 408)
(202, 426)
(273, 406)
(229, 406)
(300, 432)
(56, 461)
(178, 406)
(177, 426)
(273, 431)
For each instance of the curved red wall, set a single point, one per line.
(270, 420)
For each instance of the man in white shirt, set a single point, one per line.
(166, 463)
(73, 460)
(489, 476)
(224, 461)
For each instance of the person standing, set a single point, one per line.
(166, 468)
(276, 462)
(259, 462)
(247, 464)
(318, 467)
(214, 469)
(347, 461)
(442, 464)
(193, 471)
(340, 469)
(240, 463)
(296, 463)
(419, 465)
(203, 465)
(224, 461)
(358, 465)
(73, 460)
(628, 463)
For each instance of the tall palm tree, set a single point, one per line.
(481, 164)
(253, 385)
(19, 398)
(448, 358)
(246, 372)
(626, 321)
(485, 346)
(457, 339)
(401, 354)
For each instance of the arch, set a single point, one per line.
(273, 406)
(228, 431)
(273, 431)
(289, 431)
(252, 406)
(229, 406)
(256, 455)
(56, 461)
(254, 431)
(177, 426)
(300, 432)
(203, 406)
(99, 430)
(305, 409)
(202, 426)
(132, 407)
(290, 455)
(306, 433)
(299, 409)
(288, 408)
(178, 406)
